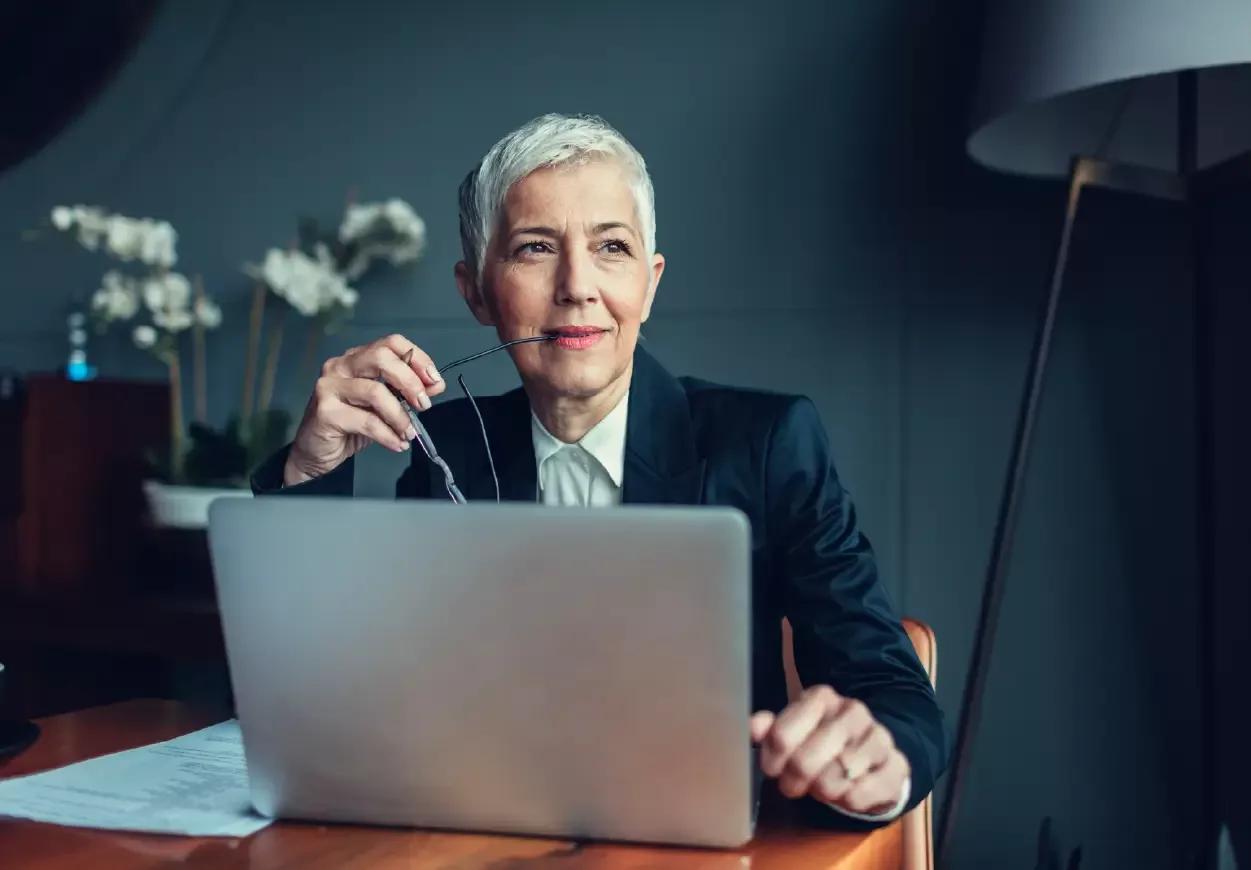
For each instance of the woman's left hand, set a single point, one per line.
(831, 748)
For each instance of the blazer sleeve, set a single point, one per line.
(845, 632)
(267, 478)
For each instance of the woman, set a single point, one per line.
(558, 229)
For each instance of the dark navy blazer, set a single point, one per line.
(692, 442)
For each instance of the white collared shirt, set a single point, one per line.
(589, 474)
(585, 474)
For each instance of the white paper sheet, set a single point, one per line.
(196, 784)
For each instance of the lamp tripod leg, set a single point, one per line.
(1005, 524)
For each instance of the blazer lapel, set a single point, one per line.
(662, 464)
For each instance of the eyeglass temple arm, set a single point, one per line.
(488, 351)
(427, 443)
(431, 451)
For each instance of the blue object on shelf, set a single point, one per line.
(76, 366)
(79, 370)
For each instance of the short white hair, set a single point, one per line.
(548, 140)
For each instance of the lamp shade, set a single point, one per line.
(1061, 78)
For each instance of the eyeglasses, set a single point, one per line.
(423, 436)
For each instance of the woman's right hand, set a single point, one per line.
(350, 408)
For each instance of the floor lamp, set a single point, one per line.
(1124, 95)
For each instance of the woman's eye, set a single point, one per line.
(532, 248)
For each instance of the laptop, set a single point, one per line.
(507, 668)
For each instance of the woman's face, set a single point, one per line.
(568, 258)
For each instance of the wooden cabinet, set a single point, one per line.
(73, 527)
(94, 605)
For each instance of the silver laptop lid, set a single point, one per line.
(492, 667)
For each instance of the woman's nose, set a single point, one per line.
(575, 282)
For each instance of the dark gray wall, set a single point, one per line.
(825, 235)
(1230, 222)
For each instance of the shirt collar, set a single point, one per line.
(605, 441)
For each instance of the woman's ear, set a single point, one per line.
(471, 292)
(658, 269)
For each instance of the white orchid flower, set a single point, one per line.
(149, 241)
(154, 294)
(123, 238)
(406, 252)
(177, 289)
(144, 336)
(388, 230)
(404, 220)
(309, 284)
(92, 224)
(62, 217)
(357, 220)
(117, 298)
(274, 270)
(207, 313)
(323, 256)
(173, 320)
(157, 242)
(170, 291)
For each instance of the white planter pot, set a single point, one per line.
(184, 507)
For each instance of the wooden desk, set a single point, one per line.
(100, 730)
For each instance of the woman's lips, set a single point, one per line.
(577, 337)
